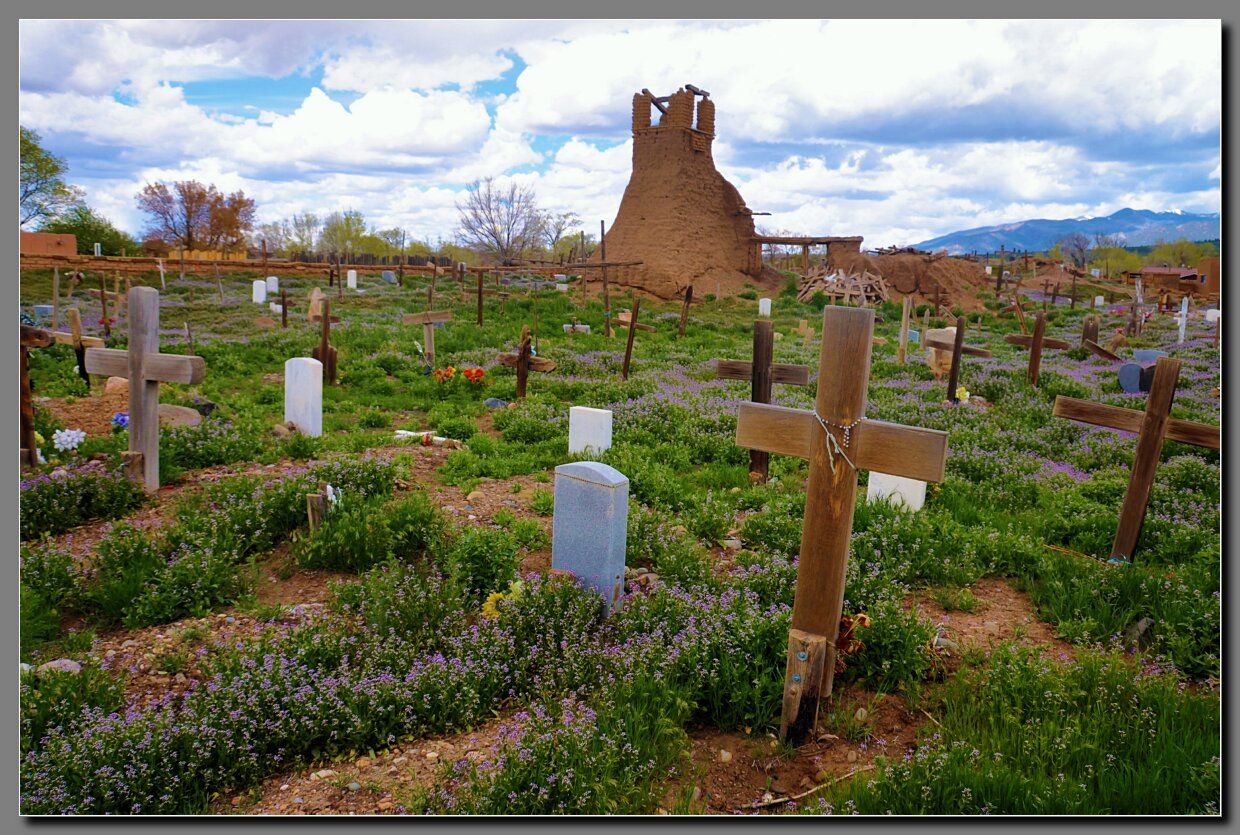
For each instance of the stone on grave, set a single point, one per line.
(1146, 356)
(590, 526)
(1099, 301)
(273, 284)
(914, 337)
(1212, 315)
(899, 490)
(589, 430)
(170, 415)
(275, 307)
(989, 270)
(764, 307)
(352, 279)
(389, 277)
(260, 291)
(495, 403)
(303, 395)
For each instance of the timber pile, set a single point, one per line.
(857, 289)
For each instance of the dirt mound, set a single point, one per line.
(909, 273)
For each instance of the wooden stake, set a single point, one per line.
(905, 313)
(283, 308)
(324, 352)
(189, 338)
(30, 338)
(55, 297)
(628, 348)
(1035, 344)
(802, 684)
(684, 311)
(103, 298)
(602, 244)
(316, 506)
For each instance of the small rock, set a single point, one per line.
(945, 643)
(281, 431)
(432, 757)
(230, 619)
(697, 794)
(325, 774)
(852, 756)
(991, 627)
(733, 544)
(1138, 636)
(353, 786)
(393, 770)
(299, 800)
(363, 762)
(64, 665)
(110, 653)
(384, 805)
(735, 490)
(474, 496)
(284, 787)
(490, 402)
(725, 756)
(861, 714)
(179, 678)
(128, 643)
(236, 801)
(115, 385)
(821, 776)
(806, 782)
(400, 761)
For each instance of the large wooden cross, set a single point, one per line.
(502, 295)
(958, 349)
(31, 338)
(838, 440)
(762, 372)
(1152, 426)
(325, 352)
(525, 361)
(145, 367)
(628, 319)
(906, 312)
(1089, 329)
(427, 320)
(79, 342)
(1035, 344)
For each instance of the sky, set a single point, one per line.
(895, 130)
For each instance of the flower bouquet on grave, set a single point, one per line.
(475, 376)
(120, 422)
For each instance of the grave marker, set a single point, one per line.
(481, 292)
(259, 294)
(806, 332)
(145, 368)
(589, 430)
(628, 319)
(79, 343)
(427, 319)
(958, 349)
(1035, 344)
(1183, 318)
(764, 307)
(1089, 330)
(273, 284)
(324, 352)
(910, 492)
(30, 338)
(303, 395)
(590, 527)
(1152, 426)
(352, 279)
(905, 312)
(524, 360)
(684, 311)
(838, 440)
(761, 373)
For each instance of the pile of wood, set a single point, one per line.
(856, 289)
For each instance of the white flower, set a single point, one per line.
(333, 496)
(67, 439)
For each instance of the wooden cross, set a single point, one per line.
(524, 361)
(905, 313)
(1152, 426)
(145, 367)
(31, 338)
(958, 349)
(1073, 296)
(1135, 321)
(324, 352)
(427, 320)
(1035, 344)
(684, 311)
(283, 307)
(1089, 330)
(316, 506)
(503, 296)
(1095, 348)
(761, 373)
(75, 339)
(807, 333)
(838, 440)
(629, 320)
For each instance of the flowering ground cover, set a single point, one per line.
(435, 624)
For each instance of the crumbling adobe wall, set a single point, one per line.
(679, 216)
(908, 272)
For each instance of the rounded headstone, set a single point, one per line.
(1130, 377)
(170, 415)
(1147, 355)
(273, 284)
(259, 295)
(764, 307)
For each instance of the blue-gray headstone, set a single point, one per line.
(590, 526)
(914, 337)
(1147, 355)
(493, 402)
(389, 276)
(1130, 377)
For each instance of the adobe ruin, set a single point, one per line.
(679, 216)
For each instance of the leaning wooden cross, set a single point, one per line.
(1152, 426)
(761, 373)
(524, 360)
(31, 338)
(628, 319)
(838, 440)
(684, 311)
(145, 367)
(958, 349)
(77, 341)
(1035, 344)
(325, 352)
(427, 320)
(502, 295)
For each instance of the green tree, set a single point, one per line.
(43, 194)
(91, 228)
(1181, 253)
(343, 232)
(1113, 260)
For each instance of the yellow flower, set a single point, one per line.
(962, 394)
(38, 438)
(488, 608)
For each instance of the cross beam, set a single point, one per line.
(524, 360)
(145, 368)
(79, 342)
(1152, 426)
(1035, 344)
(843, 376)
(427, 320)
(632, 324)
(958, 349)
(762, 372)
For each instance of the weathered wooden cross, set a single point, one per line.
(145, 367)
(427, 320)
(77, 341)
(324, 352)
(1152, 426)
(1035, 344)
(502, 295)
(762, 372)
(628, 319)
(31, 338)
(807, 333)
(958, 349)
(684, 311)
(524, 360)
(905, 313)
(838, 440)
(1089, 329)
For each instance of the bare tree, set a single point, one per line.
(503, 222)
(555, 225)
(1075, 247)
(304, 232)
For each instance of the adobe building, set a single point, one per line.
(47, 243)
(679, 217)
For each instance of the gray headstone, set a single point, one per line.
(590, 526)
(1130, 377)
(389, 276)
(1146, 356)
(494, 403)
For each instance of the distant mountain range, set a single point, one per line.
(1130, 227)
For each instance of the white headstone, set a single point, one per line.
(589, 430)
(1213, 314)
(1095, 272)
(1183, 317)
(1099, 301)
(1140, 299)
(563, 288)
(352, 279)
(559, 277)
(989, 270)
(897, 489)
(571, 328)
(273, 284)
(590, 526)
(260, 291)
(98, 250)
(764, 307)
(275, 307)
(303, 395)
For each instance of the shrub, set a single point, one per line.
(542, 502)
(39, 620)
(461, 428)
(354, 536)
(482, 560)
(56, 698)
(51, 504)
(374, 419)
(213, 441)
